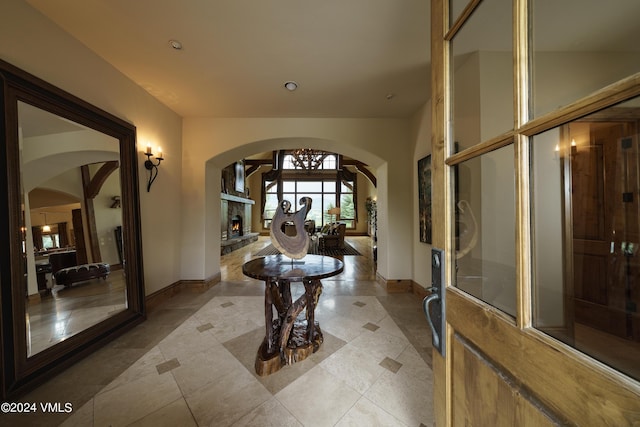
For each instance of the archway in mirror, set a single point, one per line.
(72, 236)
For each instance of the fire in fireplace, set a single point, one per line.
(236, 226)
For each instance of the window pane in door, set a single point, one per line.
(586, 182)
(581, 46)
(485, 228)
(455, 9)
(482, 75)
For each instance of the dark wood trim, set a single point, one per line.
(255, 164)
(362, 168)
(252, 170)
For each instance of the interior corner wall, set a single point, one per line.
(211, 261)
(382, 218)
(365, 189)
(33, 43)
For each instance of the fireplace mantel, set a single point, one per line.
(238, 199)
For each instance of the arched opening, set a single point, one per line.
(360, 162)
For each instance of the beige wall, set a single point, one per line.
(33, 43)
(185, 198)
(385, 144)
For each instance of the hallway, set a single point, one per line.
(191, 362)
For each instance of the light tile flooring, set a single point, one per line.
(191, 363)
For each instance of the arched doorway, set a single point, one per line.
(254, 154)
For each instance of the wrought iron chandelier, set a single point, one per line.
(307, 158)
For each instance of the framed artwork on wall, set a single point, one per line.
(424, 198)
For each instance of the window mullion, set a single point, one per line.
(522, 104)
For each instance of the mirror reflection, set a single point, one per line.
(72, 234)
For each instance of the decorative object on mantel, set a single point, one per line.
(295, 247)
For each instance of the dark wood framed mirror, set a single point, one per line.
(71, 275)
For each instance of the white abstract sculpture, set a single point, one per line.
(295, 247)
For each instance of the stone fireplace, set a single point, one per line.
(235, 219)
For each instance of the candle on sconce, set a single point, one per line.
(159, 156)
(148, 149)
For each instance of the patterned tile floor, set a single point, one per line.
(191, 364)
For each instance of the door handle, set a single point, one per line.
(425, 306)
(436, 315)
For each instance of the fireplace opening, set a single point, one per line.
(236, 226)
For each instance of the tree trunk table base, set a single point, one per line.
(296, 350)
(291, 336)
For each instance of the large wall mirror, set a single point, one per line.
(72, 275)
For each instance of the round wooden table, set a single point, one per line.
(289, 338)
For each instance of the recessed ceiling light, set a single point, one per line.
(175, 44)
(291, 85)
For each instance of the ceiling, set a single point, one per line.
(355, 58)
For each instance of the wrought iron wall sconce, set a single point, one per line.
(151, 166)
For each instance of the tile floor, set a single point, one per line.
(191, 364)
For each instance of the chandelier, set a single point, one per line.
(307, 158)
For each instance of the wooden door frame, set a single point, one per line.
(560, 380)
(440, 199)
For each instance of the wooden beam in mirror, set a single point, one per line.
(77, 283)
